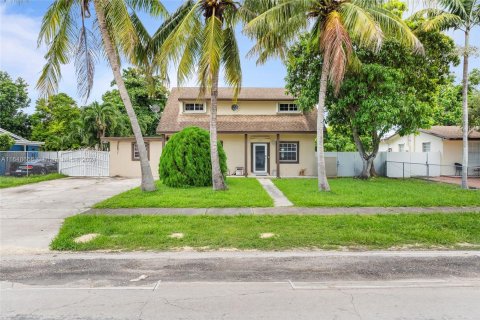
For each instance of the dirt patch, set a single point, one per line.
(86, 238)
(176, 235)
(267, 235)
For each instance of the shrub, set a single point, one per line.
(6, 142)
(185, 160)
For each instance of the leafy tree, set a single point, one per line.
(186, 161)
(202, 41)
(97, 120)
(52, 121)
(336, 29)
(14, 98)
(448, 105)
(147, 102)
(338, 141)
(6, 142)
(371, 104)
(459, 15)
(66, 34)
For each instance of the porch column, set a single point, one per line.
(277, 157)
(246, 156)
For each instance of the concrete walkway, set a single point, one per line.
(30, 215)
(281, 211)
(279, 199)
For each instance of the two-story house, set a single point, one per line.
(263, 133)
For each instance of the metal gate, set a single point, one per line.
(84, 163)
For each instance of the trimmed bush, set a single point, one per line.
(185, 160)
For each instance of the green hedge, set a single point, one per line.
(185, 160)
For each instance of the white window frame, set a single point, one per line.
(401, 147)
(424, 144)
(290, 105)
(136, 153)
(296, 151)
(195, 104)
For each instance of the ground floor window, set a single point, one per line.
(288, 151)
(401, 147)
(136, 154)
(426, 147)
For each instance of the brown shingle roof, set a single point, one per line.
(251, 94)
(450, 132)
(173, 121)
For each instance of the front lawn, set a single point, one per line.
(242, 192)
(378, 192)
(287, 232)
(9, 181)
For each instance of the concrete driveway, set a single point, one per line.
(31, 215)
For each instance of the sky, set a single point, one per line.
(20, 56)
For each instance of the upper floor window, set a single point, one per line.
(194, 107)
(426, 147)
(288, 107)
(401, 147)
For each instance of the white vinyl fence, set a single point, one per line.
(84, 163)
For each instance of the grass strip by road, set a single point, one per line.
(377, 192)
(9, 181)
(242, 192)
(139, 232)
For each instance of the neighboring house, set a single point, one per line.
(444, 139)
(263, 133)
(22, 144)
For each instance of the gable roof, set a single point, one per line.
(173, 121)
(451, 132)
(20, 140)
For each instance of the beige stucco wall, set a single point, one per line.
(245, 107)
(234, 146)
(121, 163)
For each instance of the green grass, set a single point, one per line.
(378, 192)
(9, 181)
(242, 232)
(242, 192)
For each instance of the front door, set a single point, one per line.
(260, 158)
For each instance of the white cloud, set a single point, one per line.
(20, 57)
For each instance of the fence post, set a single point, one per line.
(403, 170)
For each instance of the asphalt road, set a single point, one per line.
(235, 285)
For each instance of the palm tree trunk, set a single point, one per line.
(217, 176)
(465, 111)
(148, 183)
(322, 173)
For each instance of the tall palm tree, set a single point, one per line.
(461, 15)
(67, 36)
(203, 41)
(98, 118)
(336, 26)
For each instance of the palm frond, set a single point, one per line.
(395, 27)
(336, 46)
(231, 61)
(153, 7)
(361, 25)
(212, 44)
(58, 35)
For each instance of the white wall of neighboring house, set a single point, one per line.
(450, 150)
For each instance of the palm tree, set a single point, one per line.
(68, 37)
(203, 41)
(336, 26)
(461, 15)
(98, 118)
